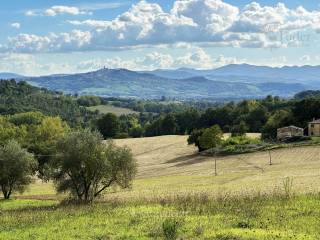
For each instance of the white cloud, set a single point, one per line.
(214, 16)
(15, 25)
(102, 6)
(201, 22)
(55, 10)
(199, 58)
(29, 43)
(158, 60)
(195, 58)
(28, 65)
(90, 23)
(30, 13)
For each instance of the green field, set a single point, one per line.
(176, 190)
(112, 109)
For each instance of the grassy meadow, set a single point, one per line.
(104, 109)
(177, 196)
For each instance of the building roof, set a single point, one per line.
(315, 121)
(283, 128)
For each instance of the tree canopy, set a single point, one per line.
(211, 137)
(85, 166)
(109, 125)
(16, 168)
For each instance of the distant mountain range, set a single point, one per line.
(7, 75)
(228, 82)
(308, 75)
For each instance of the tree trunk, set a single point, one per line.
(6, 193)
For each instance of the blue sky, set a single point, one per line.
(44, 37)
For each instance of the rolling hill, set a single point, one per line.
(7, 75)
(309, 75)
(126, 83)
(167, 165)
(247, 200)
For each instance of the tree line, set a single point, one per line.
(261, 116)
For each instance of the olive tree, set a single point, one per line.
(16, 168)
(85, 165)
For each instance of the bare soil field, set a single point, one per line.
(167, 165)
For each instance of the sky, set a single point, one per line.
(68, 36)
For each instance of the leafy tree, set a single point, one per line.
(256, 118)
(211, 137)
(43, 139)
(85, 166)
(154, 128)
(28, 118)
(136, 132)
(239, 130)
(187, 121)
(169, 125)
(278, 119)
(9, 131)
(194, 138)
(89, 101)
(109, 125)
(305, 110)
(16, 168)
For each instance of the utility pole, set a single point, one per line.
(215, 166)
(215, 161)
(270, 158)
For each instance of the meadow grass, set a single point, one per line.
(112, 109)
(194, 217)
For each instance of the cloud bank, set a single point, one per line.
(200, 22)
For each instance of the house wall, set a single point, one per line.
(314, 129)
(283, 133)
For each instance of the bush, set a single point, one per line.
(298, 139)
(241, 140)
(170, 228)
(122, 135)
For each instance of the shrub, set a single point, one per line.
(170, 228)
(298, 139)
(122, 135)
(240, 140)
